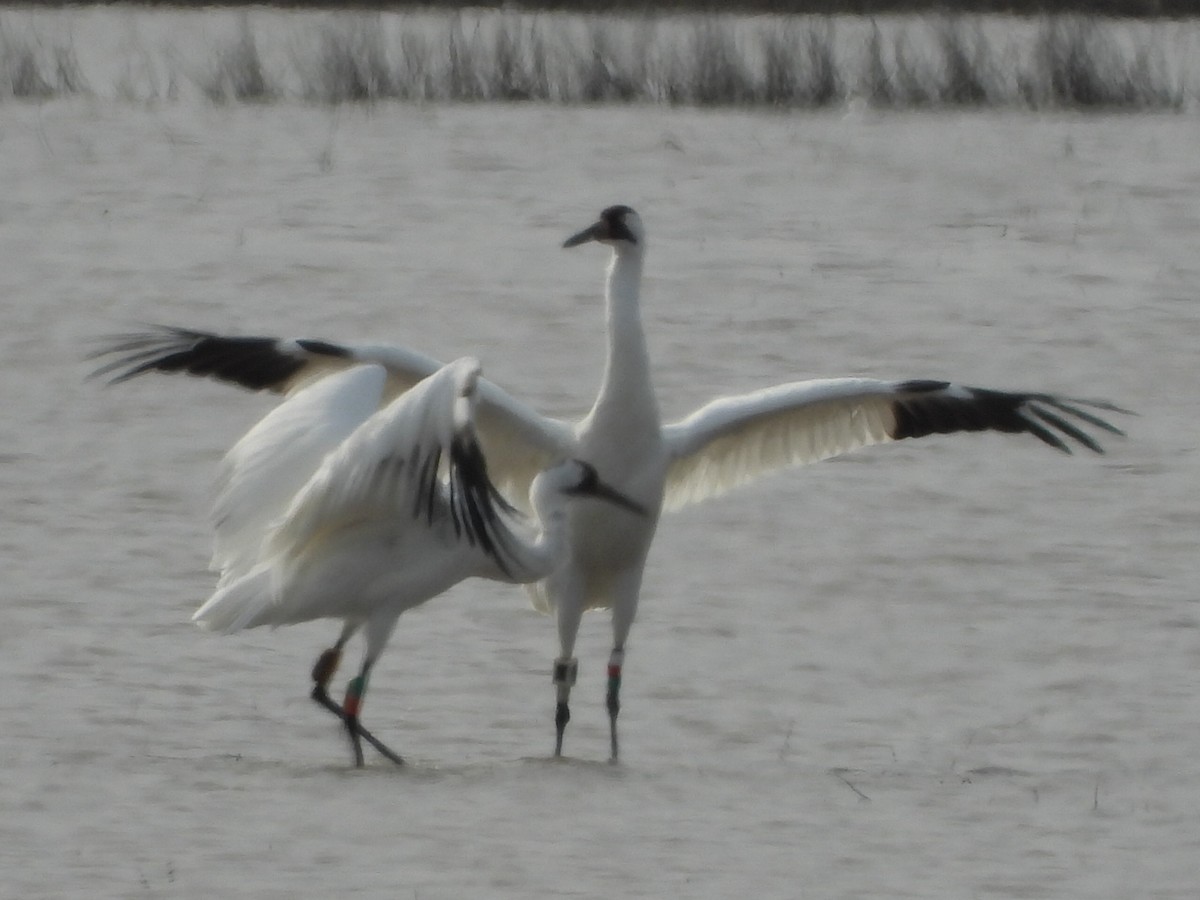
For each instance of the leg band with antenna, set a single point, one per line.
(566, 670)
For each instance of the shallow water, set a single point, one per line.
(959, 667)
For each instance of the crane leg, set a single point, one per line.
(613, 696)
(355, 691)
(566, 670)
(322, 672)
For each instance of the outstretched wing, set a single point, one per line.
(518, 441)
(734, 439)
(258, 478)
(259, 363)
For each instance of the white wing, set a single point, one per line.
(518, 441)
(734, 439)
(407, 489)
(388, 469)
(262, 473)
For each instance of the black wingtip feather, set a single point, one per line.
(1072, 407)
(1066, 428)
(477, 503)
(255, 363)
(936, 407)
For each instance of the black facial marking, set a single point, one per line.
(589, 478)
(614, 221)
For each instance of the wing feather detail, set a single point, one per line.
(389, 467)
(260, 475)
(416, 459)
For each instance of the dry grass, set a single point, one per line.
(1078, 65)
(32, 70)
(710, 61)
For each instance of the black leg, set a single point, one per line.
(562, 715)
(322, 671)
(614, 706)
(613, 698)
(566, 670)
(350, 706)
(325, 666)
(355, 691)
(380, 746)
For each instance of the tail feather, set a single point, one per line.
(243, 603)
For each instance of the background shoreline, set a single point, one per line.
(270, 54)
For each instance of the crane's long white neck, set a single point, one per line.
(535, 558)
(626, 389)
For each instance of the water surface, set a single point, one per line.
(959, 667)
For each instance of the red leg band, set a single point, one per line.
(354, 693)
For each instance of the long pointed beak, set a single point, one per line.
(591, 233)
(602, 491)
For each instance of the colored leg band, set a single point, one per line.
(354, 694)
(326, 665)
(614, 677)
(612, 698)
(614, 671)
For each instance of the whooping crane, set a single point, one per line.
(331, 509)
(725, 443)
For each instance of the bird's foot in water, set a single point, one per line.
(562, 715)
(566, 671)
(320, 695)
(323, 670)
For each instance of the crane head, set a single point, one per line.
(617, 225)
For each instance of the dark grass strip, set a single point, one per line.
(800, 62)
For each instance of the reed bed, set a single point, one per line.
(30, 69)
(1067, 62)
